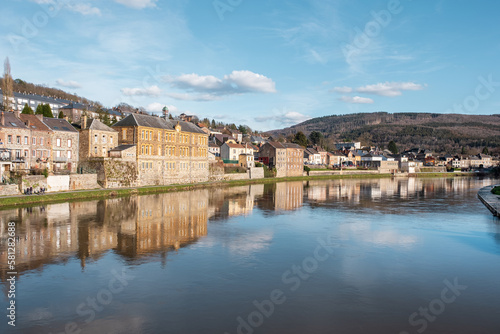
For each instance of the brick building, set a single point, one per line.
(273, 154)
(96, 139)
(40, 140)
(65, 144)
(167, 151)
(15, 142)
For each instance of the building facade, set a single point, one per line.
(65, 145)
(167, 151)
(96, 139)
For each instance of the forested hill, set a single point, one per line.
(438, 132)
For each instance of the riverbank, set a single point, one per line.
(490, 200)
(96, 194)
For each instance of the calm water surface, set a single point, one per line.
(343, 256)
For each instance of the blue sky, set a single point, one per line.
(267, 64)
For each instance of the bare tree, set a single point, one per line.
(7, 85)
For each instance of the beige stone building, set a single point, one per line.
(287, 158)
(96, 139)
(167, 152)
(65, 146)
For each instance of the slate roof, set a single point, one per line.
(11, 121)
(40, 98)
(59, 124)
(292, 145)
(122, 147)
(156, 122)
(75, 105)
(95, 124)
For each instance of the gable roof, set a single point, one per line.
(35, 122)
(11, 121)
(231, 145)
(122, 147)
(292, 145)
(59, 124)
(156, 122)
(95, 124)
(276, 144)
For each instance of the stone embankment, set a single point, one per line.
(490, 200)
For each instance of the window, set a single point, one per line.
(146, 135)
(33, 140)
(95, 150)
(124, 134)
(26, 153)
(69, 154)
(69, 142)
(104, 139)
(142, 137)
(95, 139)
(18, 139)
(58, 154)
(150, 135)
(33, 153)
(58, 142)
(9, 139)
(111, 140)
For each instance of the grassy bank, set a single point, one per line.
(496, 190)
(23, 200)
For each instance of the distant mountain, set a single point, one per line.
(437, 132)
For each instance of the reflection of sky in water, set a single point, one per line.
(201, 258)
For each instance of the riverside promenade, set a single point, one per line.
(490, 200)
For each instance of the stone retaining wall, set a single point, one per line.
(83, 181)
(491, 201)
(9, 189)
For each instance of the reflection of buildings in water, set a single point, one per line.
(132, 226)
(288, 195)
(233, 201)
(164, 222)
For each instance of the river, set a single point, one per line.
(341, 256)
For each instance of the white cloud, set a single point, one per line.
(251, 82)
(73, 6)
(68, 84)
(137, 4)
(238, 82)
(84, 9)
(342, 90)
(158, 107)
(284, 118)
(148, 91)
(389, 89)
(192, 97)
(356, 99)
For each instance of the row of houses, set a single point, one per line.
(161, 150)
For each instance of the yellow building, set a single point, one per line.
(167, 151)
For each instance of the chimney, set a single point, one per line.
(2, 119)
(17, 113)
(84, 122)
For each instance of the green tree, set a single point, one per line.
(464, 150)
(39, 110)
(27, 110)
(47, 111)
(485, 150)
(213, 124)
(392, 147)
(242, 129)
(316, 137)
(61, 114)
(105, 119)
(301, 139)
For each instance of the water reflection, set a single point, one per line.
(137, 227)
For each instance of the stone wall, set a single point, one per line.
(9, 189)
(236, 176)
(35, 181)
(57, 183)
(83, 181)
(256, 173)
(216, 171)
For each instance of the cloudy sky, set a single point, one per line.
(268, 64)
